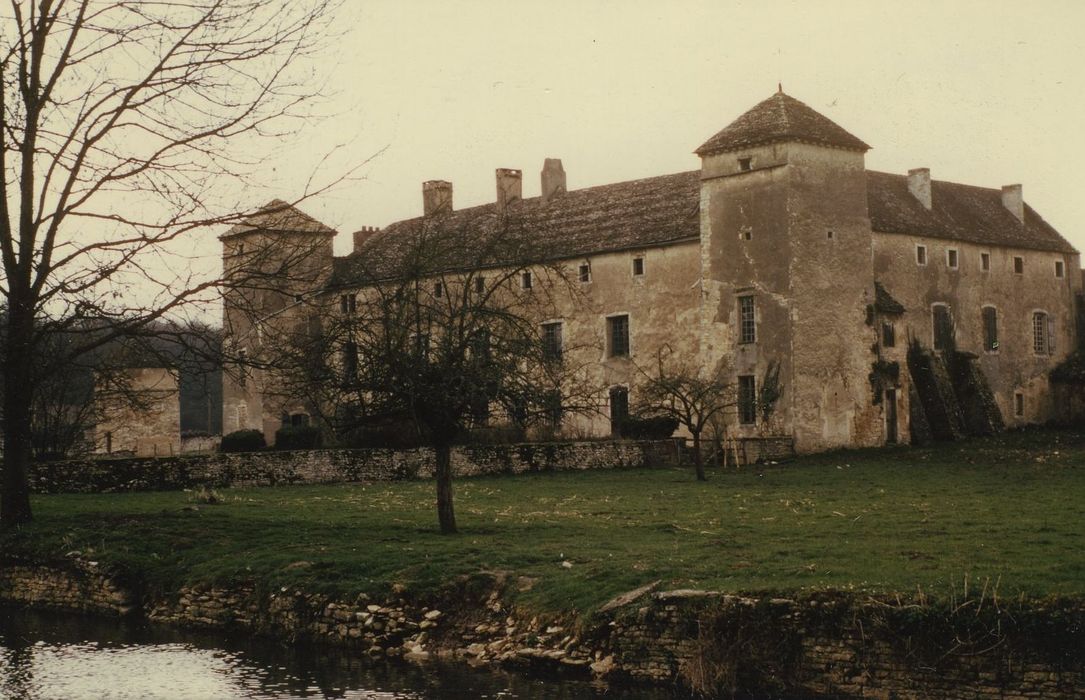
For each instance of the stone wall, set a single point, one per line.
(831, 644)
(335, 466)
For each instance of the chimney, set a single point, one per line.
(362, 235)
(1013, 200)
(919, 184)
(553, 179)
(509, 186)
(436, 197)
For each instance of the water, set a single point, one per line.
(47, 656)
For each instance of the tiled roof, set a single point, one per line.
(780, 118)
(277, 215)
(625, 215)
(958, 212)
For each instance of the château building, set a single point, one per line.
(781, 250)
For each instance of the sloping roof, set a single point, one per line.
(780, 118)
(958, 212)
(884, 301)
(625, 215)
(278, 215)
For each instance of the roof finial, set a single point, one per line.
(779, 88)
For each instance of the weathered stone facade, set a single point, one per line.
(138, 412)
(781, 253)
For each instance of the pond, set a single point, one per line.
(48, 655)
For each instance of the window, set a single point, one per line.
(348, 303)
(985, 262)
(889, 335)
(552, 408)
(479, 406)
(951, 258)
(299, 419)
(618, 336)
(921, 255)
(746, 234)
(551, 340)
(990, 329)
(240, 248)
(1043, 333)
(638, 267)
(585, 272)
(1018, 265)
(438, 290)
(1059, 271)
(830, 235)
(421, 345)
(298, 298)
(525, 280)
(1019, 404)
(943, 327)
(747, 323)
(747, 399)
(480, 284)
(350, 362)
(619, 409)
(745, 164)
(242, 370)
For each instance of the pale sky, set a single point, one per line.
(986, 93)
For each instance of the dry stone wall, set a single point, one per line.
(335, 466)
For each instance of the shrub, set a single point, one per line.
(649, 427)
(243, 441)
(297, 437)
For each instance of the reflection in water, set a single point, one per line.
(56, 656)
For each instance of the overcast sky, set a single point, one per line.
(986, 93)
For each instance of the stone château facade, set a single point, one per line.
(781, 251)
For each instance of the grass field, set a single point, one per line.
(1009, 510)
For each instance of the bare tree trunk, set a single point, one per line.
(18, 389)
(697, 463)
(445, 513)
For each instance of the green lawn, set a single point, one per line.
(1009, 510)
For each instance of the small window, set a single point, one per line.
(889, 335)
(619, 409)
(745, 164)
(480, 284)
(525, 280)
(242, 368)
(585, 272)
(990, 329)
(240, 248)
(1043, 341)
(551, 340)
(747, 399)
(1019, 404)
(298, 298)
(350, 362)
(985, 262)
(618, 336)
(1059, 270)
(348, 303)
(746, 234)
(438, 290)
(921, 255)
(951, 258)
(1018, 265)
(830, 235)
(747, 321)
(638, 267)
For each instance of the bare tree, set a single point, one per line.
(439, 326)
(122, 120)
(686, 394)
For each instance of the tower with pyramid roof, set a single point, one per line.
(787, 273)
(274, 263)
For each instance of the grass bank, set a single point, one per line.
(1008, 511)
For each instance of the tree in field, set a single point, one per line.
(445, 335)
(122, 122)
(683, 393)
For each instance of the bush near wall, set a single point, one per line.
(242, 441)
(297, 437)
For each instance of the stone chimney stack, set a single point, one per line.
(1014, 200)
(509, 186)
(553, 179)
(362, 235)
(436, 197)
(919, 184)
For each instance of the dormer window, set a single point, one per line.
(745, 164)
